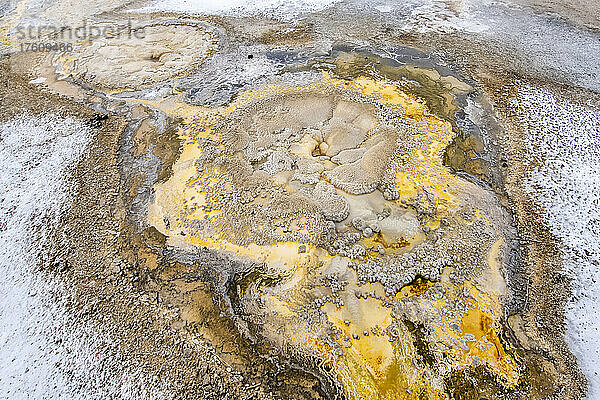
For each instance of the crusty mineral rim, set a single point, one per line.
(67, 63)
(358, 369)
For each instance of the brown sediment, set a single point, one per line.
(535, 323)
(542, 320)
(159, 322)
(371, 361)
(17, 93)
(153, 296)
(535, 328)
(288, 34)
(465, 154)
(578, 12)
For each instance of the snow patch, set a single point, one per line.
(384, 8)
(444, 17)
(37, 81)
(46, 352)
(283, 9)
(35, 155)
(567, 184)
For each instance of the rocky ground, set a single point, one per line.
(337, 202)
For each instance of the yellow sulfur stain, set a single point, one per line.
(9, 22)
(429, 173)
(371, 367)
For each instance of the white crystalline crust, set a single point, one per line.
(280, 8)
(567, 184)
(439, 16)
(43, 353)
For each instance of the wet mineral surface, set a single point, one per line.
(299, 208)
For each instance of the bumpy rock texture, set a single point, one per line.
(366, 250)
(127, 57)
